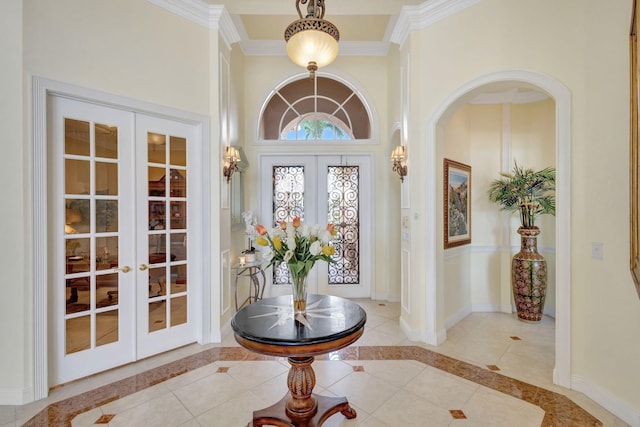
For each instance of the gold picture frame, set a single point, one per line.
(456, 203)
(634, 161)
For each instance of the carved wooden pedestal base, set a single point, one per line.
(302, 408)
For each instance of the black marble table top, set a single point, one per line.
(270, 321)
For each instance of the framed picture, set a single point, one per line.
(457, 204)
(634, 163)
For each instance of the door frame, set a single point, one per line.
(41, 90)
(313, 215)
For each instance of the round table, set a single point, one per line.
(268, 327)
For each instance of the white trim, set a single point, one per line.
(512, 96)
(16, 396)
(562, 96)
(38, 172)
(485, 308)
(41, 89)
(405, 280)
(211, 16)
(625, 411)
(330, 73)
(428, 13)
(456, 317)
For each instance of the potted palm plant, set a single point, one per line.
(529, 193)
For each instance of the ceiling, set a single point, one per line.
(357, 20)
(365, 29)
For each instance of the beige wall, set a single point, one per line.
(15, 307)
(370, 76)
(475, 135)
(585, 47)
(140, 51)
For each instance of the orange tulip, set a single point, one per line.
(283, 225)
(332, 229)
(261, 230)
(296, 222)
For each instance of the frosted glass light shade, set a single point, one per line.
(312, 46)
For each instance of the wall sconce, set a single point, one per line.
(399, 158)
(231, 159)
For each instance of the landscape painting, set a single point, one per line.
(457, 204)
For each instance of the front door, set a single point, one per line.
(322, 190)
(114, 177)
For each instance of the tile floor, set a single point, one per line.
(492, 371)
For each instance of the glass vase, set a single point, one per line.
(299, 288)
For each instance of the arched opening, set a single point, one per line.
(500, 81)
(319, 109)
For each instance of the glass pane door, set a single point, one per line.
(94, 298)
(322, 190)
(165, 289)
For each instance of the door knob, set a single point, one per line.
(143, 267)
(125, 269)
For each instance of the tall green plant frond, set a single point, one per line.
(526, 191)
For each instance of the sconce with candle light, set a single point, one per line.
(399, 159)
(231, 159)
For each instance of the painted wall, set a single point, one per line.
(123, 47)
(585, 47)
(475, 135)
(370, 75)
(15, 311)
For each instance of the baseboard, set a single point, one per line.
(457, 316)
(16, 396)
(623, 410)
(486, 308)
(413, 335)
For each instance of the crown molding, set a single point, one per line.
(421, 16)
(213, 17)
(513, 96)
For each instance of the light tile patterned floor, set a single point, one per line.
(385, 393)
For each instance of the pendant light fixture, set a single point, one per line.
(312, 42)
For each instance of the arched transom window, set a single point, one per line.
(315, 109)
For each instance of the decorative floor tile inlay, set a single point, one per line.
(516, 338)
(558, 409)
(222, 370)
(358, 368)
(105, 419)
(493, 367)
(458, 414)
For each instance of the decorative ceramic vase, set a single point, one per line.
(529, 277)
(299, 287)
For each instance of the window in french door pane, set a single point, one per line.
(343, 184)
(288, 203)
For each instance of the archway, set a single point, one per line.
(434, 289)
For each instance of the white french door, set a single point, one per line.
(119, 215)
(323, 189)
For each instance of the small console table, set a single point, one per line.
(268, 327)
(257, 280)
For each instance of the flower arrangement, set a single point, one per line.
(299, 246)
(250, 223)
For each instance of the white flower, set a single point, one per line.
(291, 243)
(304, 230)
(325, 236)
(288, 255)
(315, 248)
(268, 255)
(315, 229)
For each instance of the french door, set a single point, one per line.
(119, 195)
(322, 190)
